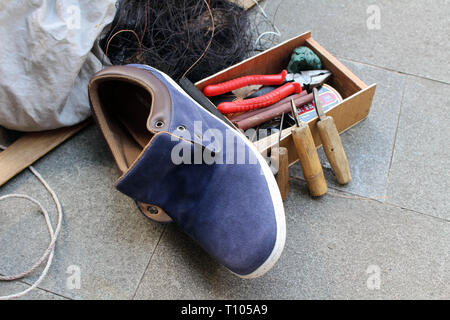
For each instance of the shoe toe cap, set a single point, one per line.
(240, 222)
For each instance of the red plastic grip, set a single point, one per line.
(260, 102)
(266, 80)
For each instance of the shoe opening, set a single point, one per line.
(122, 111)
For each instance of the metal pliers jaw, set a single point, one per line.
(309, 79)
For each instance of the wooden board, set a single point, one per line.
(246, 4)
(31, 147)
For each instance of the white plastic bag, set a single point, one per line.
(46, 60)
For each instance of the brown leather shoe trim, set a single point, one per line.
(161, 108)
(120, 144)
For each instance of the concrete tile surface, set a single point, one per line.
(413, 36)
(36, 294)
(103, 233)
(332, 243)
(369, 144)
(419, 176)
(390, 224)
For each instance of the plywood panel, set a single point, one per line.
(346, 115)
(31, 147)
(246, 4)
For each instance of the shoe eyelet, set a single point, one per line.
(181, 128)
(159, 124)
(152, 210)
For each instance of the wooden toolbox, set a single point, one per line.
(356, 94)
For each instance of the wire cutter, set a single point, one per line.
(290, 84)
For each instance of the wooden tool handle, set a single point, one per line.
(334, 150)
(280, 159)
(309, 159)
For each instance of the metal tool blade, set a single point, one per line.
(281, 129)
(318, 104)
(295, 113)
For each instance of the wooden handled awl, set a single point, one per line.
(308, 156)
(279, 158)
(332, 144)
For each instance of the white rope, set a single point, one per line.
(49, 252)
(277, 31)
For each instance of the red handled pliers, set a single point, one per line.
(291, 83)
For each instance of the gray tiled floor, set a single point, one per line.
(421, 161)
(37, 294)
(394, 215)
(413, 38)
(331, 243)
(103, 233)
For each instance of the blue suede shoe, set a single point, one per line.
(178, 159)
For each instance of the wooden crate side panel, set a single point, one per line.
(246, 4)
(353, 109)
(344, 81)
(274, 60)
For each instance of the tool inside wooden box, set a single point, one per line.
(357, 96)
(341, 101)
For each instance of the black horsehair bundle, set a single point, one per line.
(196, 38)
